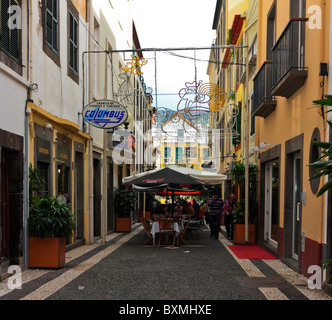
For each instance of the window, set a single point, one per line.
(51, 24)
(9, 37)
(297, 8)
(167, 153)
(73, 43)
(191, 152)
(179, 155)
(271, 31)
(253, 119)
(206, 153)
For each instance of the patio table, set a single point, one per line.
(155, 228)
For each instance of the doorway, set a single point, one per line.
(79, 195)
(11, 177)
(296, 206)
(272, 203)
(293, 201)
(96, 197)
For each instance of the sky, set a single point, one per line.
(174, 24)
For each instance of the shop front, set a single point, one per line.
(59, 150)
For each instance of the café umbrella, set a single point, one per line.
(166, 181)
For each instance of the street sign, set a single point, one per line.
(105, 114)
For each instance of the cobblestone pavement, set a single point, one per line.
(125, 269)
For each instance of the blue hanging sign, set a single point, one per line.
(105, 114)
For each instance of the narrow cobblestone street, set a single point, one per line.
(124, 269)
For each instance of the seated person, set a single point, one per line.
(160, 212)
(178, 210)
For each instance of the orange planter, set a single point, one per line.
(147, 214)
(47, 252)
(239, 233)
(123, 224)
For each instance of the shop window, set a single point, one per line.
(44, 171)
(63, 179)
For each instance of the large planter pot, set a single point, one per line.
(239, 233)
(47, 252)
(123, 224)
(147, 214)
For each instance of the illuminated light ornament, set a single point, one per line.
(135, 65)
(218, 95)
(196, 98)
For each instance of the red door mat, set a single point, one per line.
(250, 251)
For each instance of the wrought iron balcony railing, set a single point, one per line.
(288, 64)
(263, 101)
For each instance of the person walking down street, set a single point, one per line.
(216, 206)
(229, 207)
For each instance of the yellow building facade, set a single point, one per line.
(293, 46)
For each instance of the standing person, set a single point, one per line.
(229, 207)
(216, 206)
(196, 208)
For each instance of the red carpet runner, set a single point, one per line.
(250, 251)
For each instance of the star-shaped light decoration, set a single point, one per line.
(135, 65)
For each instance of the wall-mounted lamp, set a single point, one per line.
(129, 119)
(323, 70)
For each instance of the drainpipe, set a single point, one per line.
(26, 153)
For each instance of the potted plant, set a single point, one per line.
(238, 173)
(49, 223)
(124, 203)
(239, 225)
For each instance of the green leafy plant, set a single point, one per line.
(239, 213)
(36, 183)
(124, 202)
(238, 174)
(49, 218)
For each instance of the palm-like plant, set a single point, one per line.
(50, 219)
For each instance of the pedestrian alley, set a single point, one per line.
(125, 269)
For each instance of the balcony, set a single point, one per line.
(288, 69)
(263, 101)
